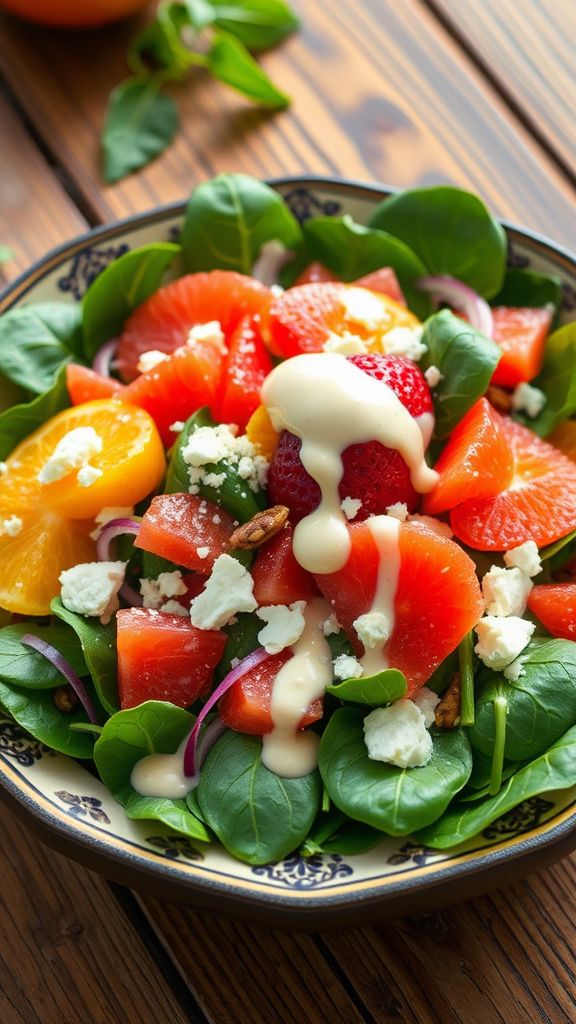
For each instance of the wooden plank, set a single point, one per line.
(67, 952)
(378, 89)
(528, 49)
(35, 212)
(503, 959)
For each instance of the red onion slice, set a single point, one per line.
(116, 528)
(191, 758)
(271, 258)
(65, 669)
(103, 358)
(460, 296)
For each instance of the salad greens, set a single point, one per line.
(515, 738)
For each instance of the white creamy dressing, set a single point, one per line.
(386, 533)
(286, 750)
(329, 403)
(162, 775)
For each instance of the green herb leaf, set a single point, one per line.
(557, 380)
(335, 833)
(36, 712)
(120, 288)
(200, 13)
(258, 24)
(140, 123)
(37, 341)
(242, 639)
(552, 770)
(466, 360)
(155, 727)
(258, 816)
(541, 703)
(451, 231)
(526, 288)
(466, 669)
(395, 800)
(24, 667)
(229, 62)
(376, 690)
(19, 421)
(98, 644)
(228, 220)
(159, 47)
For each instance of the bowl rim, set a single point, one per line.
(150, 870)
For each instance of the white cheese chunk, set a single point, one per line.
(174, 608)
(433, 376)
(156, 592)
(404, 341)
(149, 360)
(347, 667)
(398, 735)
(351, 507)
(210, 332)
(399, 510)
(363, 307)
(506, 591)
(525, 557)
(73, 451)
(345, 344)
(331, 626)
(228, 590)
(426, 700)
(501, 639)
(284, 626)
(11, 526)
(528, 399)
(209, 446)
(88, 475)
(373, 628)
(91, 588)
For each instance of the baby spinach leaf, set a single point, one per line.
(234, 495)
(155, 727)
(552, 770)
(228, 220)
(351, 250)
(140, 123)
(120, 288)
(451, 231)
(526, 288)
(98, 644)
(258, 816)
(259, 24)
(395, 800)
(37, 341)
(478, 784)
(335, 833)
(466, 360)
(442, 676)
(36, 712)
(376, 690)
(19, 421)
(557, 380)
(541, 703)
(24, 667)
(552, 550)
(242, 639)
(230, 62)
(159, 47)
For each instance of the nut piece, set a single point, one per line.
(499, 398)
(447, 713)
(65, 699)
(260, 529)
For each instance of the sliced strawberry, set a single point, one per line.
(539, 504)
(278, 578)
(164, 321)
(521, 334)
(247, 365)
(178, 386)
(85, 386)
(476, 462)
(555, 605)
(437, 600)
(246, 705)
(163, 657)
(374, 474)
(385, 282)
(314, 273)
(185, 529)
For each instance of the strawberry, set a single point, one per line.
(376, 475)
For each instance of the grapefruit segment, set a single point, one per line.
(555, 605)
(85, 386)
(247, 365)
(521, 334)
(246, 705)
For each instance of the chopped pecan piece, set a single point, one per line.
(447, 713)
(65, 699)
(261, 528)
(499, 398)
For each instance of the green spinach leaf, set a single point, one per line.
(541, 703)
(155, 727)
(451, 231)
(36, 712)
(466, 360)
(37, 341)
(526, 288)
(21, 420)
(552, 770)
(376, 690)
(24, 667)
(259, 24)
(557, 380)
(395, 800)
(242, 639)
(258, 816)
(335, 833)
(230, 62)
(120, 288)
(140, 123)
(98, 644)
(228, 220)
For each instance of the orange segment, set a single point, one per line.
(132, 459)
(260, 431)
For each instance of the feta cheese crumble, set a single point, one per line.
(426, 700)
(3, 468)
(228, 590)
(208, 447)
(347, 667)
(525, 557)
(399, 510)
(160, 592)
(506, 591)
(174, 608)
(284, 626)
(433, 376)
(373, 628)
(88, 475)
(398, 735)
(404, 341)
(11, 526)
(91, 588)
(331, 626)
(72, 452)
(528, 399)
(351, 507)
(210, 332)
(363, 307)
(501, 639)
(345, 344)
(149, 360)
(108, 513)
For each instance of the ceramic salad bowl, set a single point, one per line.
(71, 810)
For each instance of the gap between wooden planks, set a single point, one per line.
(381, 91)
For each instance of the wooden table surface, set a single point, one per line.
(479, 93)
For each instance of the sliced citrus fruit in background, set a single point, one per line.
(521, 334)
(383, 281)
(247, 365)
(555, 605)
(85, 386)
(260, 431)
(314, 273)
